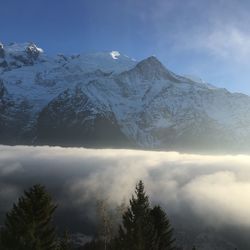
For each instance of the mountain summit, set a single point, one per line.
(15, 55)
(107, 99)
(152, 69)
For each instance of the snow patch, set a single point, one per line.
(115, 54)
(21, 47)
(40, 50)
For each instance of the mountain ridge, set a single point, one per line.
(143, 103)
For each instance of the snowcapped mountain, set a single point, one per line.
(108, 99)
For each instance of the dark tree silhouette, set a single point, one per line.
(144, 228)
(136, 231)
(164, 239)
(28, 226)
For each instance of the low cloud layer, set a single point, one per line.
(215, 190)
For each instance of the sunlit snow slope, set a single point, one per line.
(110, 100)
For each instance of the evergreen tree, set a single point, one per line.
(64, 243)
(28, 226)
(164, 233)
(136, 232)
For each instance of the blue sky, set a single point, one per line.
(210, 39)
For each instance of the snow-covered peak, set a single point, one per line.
(112, 62)
(115, 54)
(152, 69)
(151, 64)
(152, 106)
(16, 55)
(152, 59)
(21, 47)
(33, 47)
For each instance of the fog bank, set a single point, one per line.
(204, 190)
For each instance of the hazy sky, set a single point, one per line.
(210, 39)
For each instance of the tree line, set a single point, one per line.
(29, 226)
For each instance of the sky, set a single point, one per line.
(208, 39)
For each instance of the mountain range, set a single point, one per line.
(107, 99)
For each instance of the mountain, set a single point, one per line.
(110, 100)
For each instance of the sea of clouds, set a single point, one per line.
(208, 192)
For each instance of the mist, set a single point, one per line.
(201, 193)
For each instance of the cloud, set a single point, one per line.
(207, 29)
(222, 41)
(220, 196)
(211, 189)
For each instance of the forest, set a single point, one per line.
(29, 225)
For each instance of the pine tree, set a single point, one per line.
(65, 242)
(136, 232)
(164, 233)
(28, 226)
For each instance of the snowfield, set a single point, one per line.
(109, 99)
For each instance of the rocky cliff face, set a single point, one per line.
(72, 119)
(107, 99)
